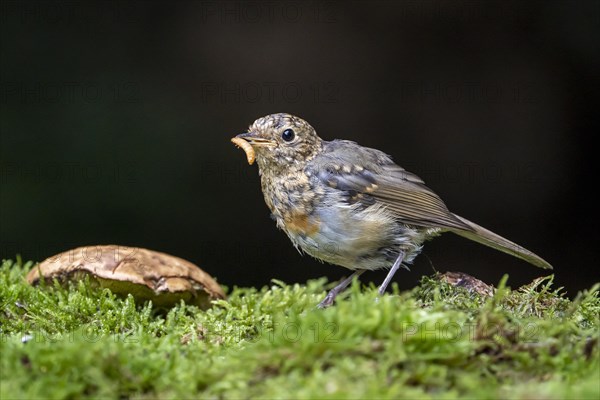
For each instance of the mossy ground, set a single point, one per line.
(436, 341)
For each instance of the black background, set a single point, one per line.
(116, 119)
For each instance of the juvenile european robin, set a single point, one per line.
(350, 205)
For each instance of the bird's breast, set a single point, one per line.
(320, 221)
(345, 235)
(302, 224)
(291, 198)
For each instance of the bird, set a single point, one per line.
(350, 205)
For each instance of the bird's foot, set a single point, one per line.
(328, 300)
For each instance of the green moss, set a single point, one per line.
(436, 341)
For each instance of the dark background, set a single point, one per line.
(116, 119)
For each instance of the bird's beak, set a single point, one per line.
(256, 140)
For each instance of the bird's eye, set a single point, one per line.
(288, 135)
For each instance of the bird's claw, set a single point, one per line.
(327, 301)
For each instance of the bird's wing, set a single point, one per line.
(370, 176)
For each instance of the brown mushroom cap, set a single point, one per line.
(145, 274)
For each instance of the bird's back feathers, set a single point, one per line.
(370, 176)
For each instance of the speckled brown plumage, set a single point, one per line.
(351, 205)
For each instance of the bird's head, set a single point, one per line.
(282, 141)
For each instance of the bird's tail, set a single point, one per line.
(481, 235)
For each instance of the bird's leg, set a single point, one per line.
(390, 274)
(330, 298)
